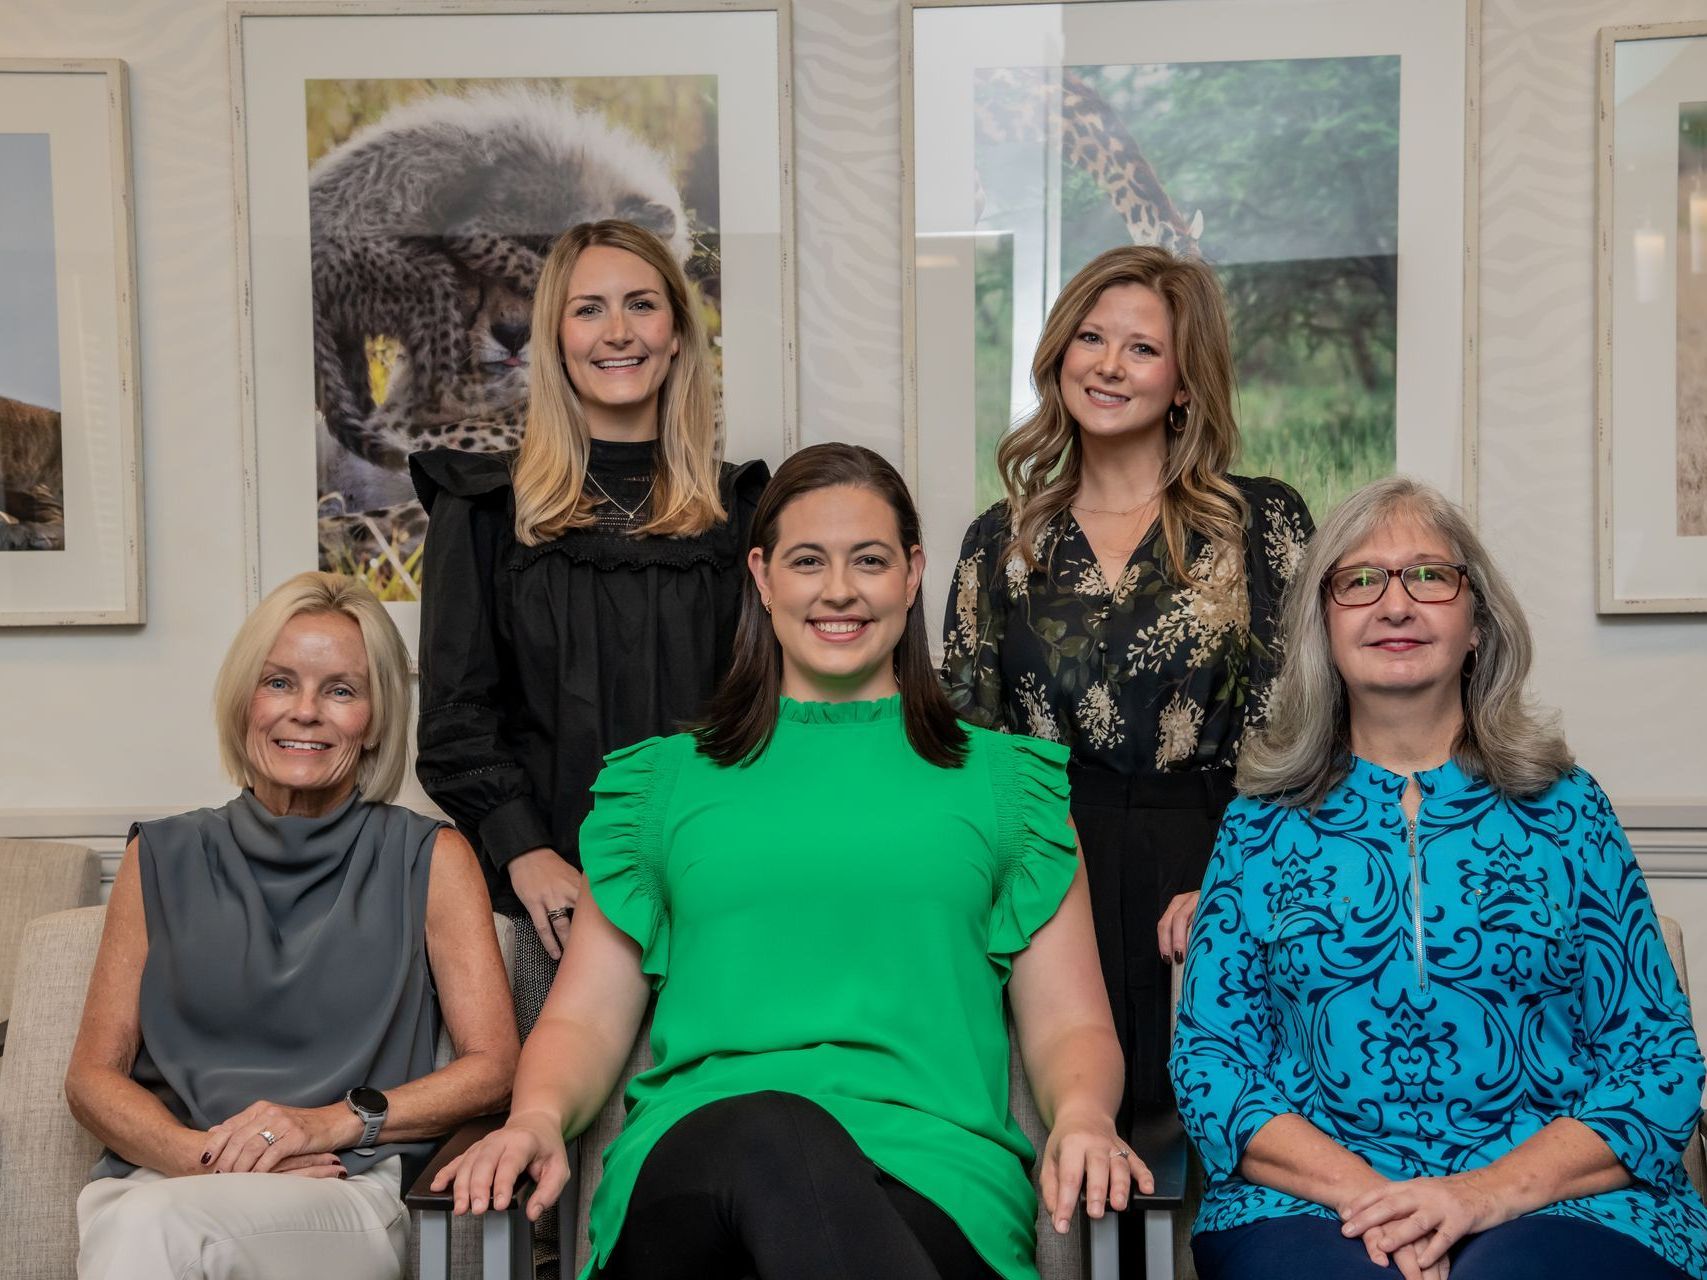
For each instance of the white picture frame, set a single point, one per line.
(949, 41)
(75, 380)
(1651, 269)
(278, 48)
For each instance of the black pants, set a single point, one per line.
(768, 1185)
(1146, 838)
(1538, 1246)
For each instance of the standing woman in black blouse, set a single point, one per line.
(1122, 600)
(580, 595)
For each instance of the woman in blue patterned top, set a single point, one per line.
(1429, 1022)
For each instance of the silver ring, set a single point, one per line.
(559, 913)
(269, 1136)
(1122, 1154)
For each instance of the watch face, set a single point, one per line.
(366, 1099)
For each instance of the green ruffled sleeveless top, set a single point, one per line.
(838, 920)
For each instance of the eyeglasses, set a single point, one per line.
(1360, 585)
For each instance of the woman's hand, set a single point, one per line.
(486, 1173)
(322, 1164)
(546, 883)
(1173, 930)
(237, 1145)
(1429, 1214)
(1083, 1154)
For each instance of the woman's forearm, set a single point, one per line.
(567, 1071)
(131, 1122)
(476, 1084)
(1564, 1161)
(1292, 1155)
(1078, 1070)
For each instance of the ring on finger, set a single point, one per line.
(269, 1137)
(1119, 1153)
(558, 913)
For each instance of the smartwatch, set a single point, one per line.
(370, 1106)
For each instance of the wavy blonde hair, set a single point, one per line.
(1304, 750)
(385, 754)
(1040, 460)
(551, 468)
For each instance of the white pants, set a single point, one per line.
(244, 1226)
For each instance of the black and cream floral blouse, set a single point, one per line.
(1144, 676)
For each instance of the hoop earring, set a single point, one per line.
(1178, 416)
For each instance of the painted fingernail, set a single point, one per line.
(1179, 957)
(1061, 1225)
(206, 1156)
(343, 1173)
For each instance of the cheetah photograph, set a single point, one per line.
(1283, 174)
(32, 479)
(1692, 321)
(431, 206)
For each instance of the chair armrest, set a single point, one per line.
(421, 1195)
(1158, 1139)
(4, 1023)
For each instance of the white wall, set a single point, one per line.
(117, 719)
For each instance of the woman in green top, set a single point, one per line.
(828, 885)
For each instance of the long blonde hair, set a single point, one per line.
(551, 468)
(1303, 750)
(385, 755)
(1040, 460)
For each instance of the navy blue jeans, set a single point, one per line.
(1537, 1247)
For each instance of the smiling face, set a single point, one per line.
(618, 339)
(839, 584)
(1396, 645)
(1119, 374)
(309, 715)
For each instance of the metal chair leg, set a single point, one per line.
(1159, 1244)
(433, 1235)
(1105, 1247)
(506, 1244)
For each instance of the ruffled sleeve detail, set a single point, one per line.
(1035, 843)
(622, 849)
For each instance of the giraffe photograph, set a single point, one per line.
(1692, 320)
(1283, 174)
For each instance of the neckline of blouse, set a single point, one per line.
(840, 712)
(1371, 779)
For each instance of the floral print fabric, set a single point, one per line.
(1541, 988)
(1144, 676)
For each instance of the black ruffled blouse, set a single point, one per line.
(1145, 675)
(537, 661)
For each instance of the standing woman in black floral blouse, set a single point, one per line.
(1122, 600)
(580, 595)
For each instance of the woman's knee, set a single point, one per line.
(1304, 1247)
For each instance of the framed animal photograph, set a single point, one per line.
(70, 490)
(403, 171)
(1320, 154)
(1651, 416)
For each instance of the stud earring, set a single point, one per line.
(766, 603)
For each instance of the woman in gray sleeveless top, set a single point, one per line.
(267, 996)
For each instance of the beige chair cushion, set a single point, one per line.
(45, 1156)
(38, 877)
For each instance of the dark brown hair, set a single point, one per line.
(741, 719)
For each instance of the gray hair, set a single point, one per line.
(385, 755)
(1303, 750)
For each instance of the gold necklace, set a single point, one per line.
(605, 494)
(1098, 511)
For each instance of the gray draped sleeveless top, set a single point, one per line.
(287, 960)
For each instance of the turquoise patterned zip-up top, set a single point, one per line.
(1430, 995)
